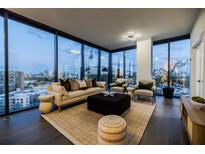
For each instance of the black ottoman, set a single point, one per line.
(107, 105)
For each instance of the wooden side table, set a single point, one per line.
(46, 103)
(130, 91)
(194, 121)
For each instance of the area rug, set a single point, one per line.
(79, 125)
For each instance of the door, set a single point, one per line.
(199, 71)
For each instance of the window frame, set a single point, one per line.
(6, 14)
(168, 41)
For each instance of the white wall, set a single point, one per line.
(144, 52)
(198, 28)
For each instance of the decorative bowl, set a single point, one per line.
(197, 105)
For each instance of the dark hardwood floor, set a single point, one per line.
(165, 125)
(27, 127)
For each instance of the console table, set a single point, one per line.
(194, 121)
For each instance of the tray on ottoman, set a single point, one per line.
(107, 105)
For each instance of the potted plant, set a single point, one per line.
(169, 76)
(198, 102)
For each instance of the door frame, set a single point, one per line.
(199, 41)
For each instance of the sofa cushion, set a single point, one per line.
(74, 85)
(65, 84)
(144, 92)
(74, 94)
(93, 90)
(119, 84)
(101, 84)
(79, 93)
(121, 80)
(117, 89)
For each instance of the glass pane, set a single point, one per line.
(180, 67)
(130, 65)
(104, 66)
(117, 65)
(69, 58)
(2, 82)
(31, 64)
(160, 66)
(91, 62)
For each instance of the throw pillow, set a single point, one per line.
(147, 86)
(83, 84)
(65, 84)
(94, 83)
(119, 84)
(59, 89)
(74, 85)
(89, 83)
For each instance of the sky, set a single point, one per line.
(32, 50)
(178, 50)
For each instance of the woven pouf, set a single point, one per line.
(112, 129)
(46, 104)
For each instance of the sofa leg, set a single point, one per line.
(153, 99)
(59, 108)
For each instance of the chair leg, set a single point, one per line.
(134, 98)
(153, 99)
(59, 108)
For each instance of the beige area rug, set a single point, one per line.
(79, 125)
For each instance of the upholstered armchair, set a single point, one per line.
(119, 85)
(145, 88)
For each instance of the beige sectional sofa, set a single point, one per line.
(62, 97)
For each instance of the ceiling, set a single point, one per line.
(109, 27)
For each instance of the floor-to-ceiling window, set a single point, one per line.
(117, 65)
(160, 66)
(130, 65)
(180, 67)
(2, 82)
(90, 62)
(31, 64)
(32, 61)
(104, 66)
(173, 62)
(69, 58)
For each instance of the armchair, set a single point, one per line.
(146, 88)
(119, 85)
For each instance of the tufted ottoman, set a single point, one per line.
(112, 129)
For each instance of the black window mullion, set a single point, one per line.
(124, 61)
(168, 80)
(110, 69)
(82, 74)
(56, 57)
(6, 64)
(99, 65)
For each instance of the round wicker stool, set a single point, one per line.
(112, 129)
(46, 104)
